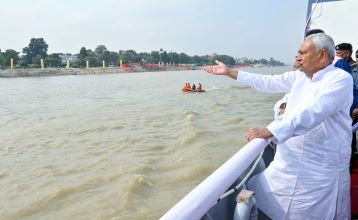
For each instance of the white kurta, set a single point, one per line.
(309, 176)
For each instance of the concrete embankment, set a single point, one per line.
(8, 73)
(55, 71)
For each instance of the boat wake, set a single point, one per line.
(213, 88)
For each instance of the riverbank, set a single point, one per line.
(126, 68)
(9, 73)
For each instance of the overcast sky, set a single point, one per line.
(251, 28)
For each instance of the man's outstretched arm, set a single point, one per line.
(221, 69)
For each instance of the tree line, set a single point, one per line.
(37, 50)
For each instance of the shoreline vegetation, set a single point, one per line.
(126, 68)
(35, 61)
(129, 68)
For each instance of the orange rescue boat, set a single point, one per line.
(191, 90)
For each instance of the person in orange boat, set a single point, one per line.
(187, 86)
(200, 87)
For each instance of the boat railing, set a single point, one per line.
(197, 202)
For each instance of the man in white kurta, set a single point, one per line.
(311, 166)
(309, 176)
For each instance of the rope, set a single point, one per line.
(236, 188)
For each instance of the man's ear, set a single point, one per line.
(323, 53)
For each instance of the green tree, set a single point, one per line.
(223, 58)
(83, 53)
(183, 58)
(5, 58)
(155, 57)
(82, 57)
(274, 62)
(23, 62)
(165, 57)
(93, 60)
(101, 53)
(2, 60)
(146, 57)
(198, 60)
(174, 57)
(113, 58)
(263, 61)
(130, 56)
(37, 48)
(36, 62)
(206, 59)
(11, 54)
(53, 60)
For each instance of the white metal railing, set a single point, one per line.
(196, 203)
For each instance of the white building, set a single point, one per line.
(68, 57)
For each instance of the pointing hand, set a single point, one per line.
(218, 69)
